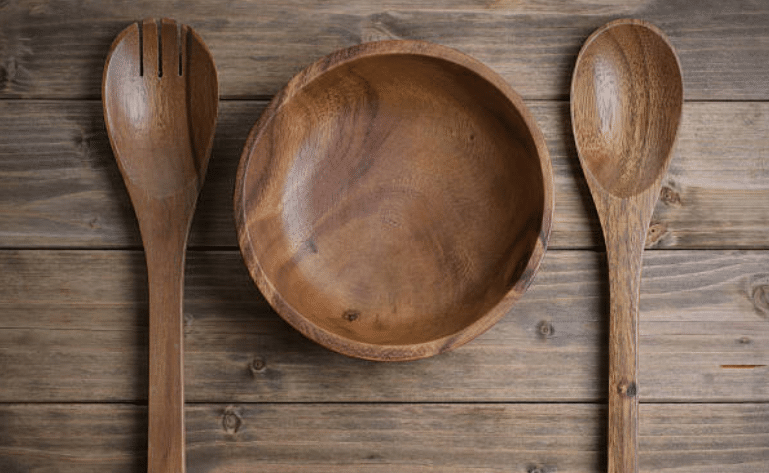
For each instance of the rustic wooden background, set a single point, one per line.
(528, 396)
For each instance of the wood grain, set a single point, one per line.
(73, 329)
(259, 45)
(161, 99)
(626, 102)
(394, 200)
(701, 438)
(60, 186)
(73, 297)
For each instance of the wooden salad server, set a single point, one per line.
(160, 95)
(626, 99)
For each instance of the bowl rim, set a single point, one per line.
(334, 341)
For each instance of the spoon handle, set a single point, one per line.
(165, 254)
(624, 248)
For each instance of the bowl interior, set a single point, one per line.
(393, 200)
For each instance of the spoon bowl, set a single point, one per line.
(626, 104)
(626, 100)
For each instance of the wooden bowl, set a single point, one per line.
(394, 200)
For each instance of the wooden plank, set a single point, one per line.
(60, 186)
(58, 50)
(85, 438)
(567, 438)
(73, 329)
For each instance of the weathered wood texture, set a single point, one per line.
(73, 328)
(73, 323)
(455, 438)
(60, 186)
(258, 46)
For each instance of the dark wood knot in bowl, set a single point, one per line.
(394, 200)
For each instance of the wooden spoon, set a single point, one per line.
(626, 98)
(160, 95)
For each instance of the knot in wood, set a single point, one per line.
(380, 26)
(188, 319)
(231, 421)
(14, 53)
(83, 141)
(761, 299)
(542, 469)
(670, 197)
(545, 329)
(657, 230)
(629, 389)
(257, 365)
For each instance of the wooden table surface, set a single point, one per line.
(527, 396)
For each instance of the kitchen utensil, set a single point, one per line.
(394, 200)
(626, 98)
(160, 96)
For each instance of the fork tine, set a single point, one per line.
(184, 38)
(150, 47)
(170, 43)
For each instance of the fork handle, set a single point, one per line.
(165, 255)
